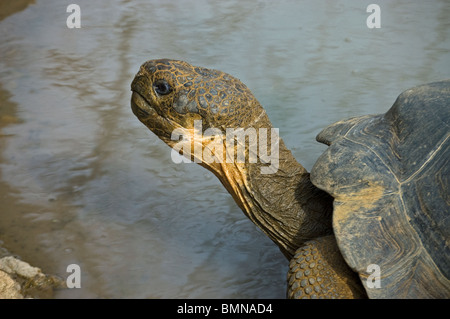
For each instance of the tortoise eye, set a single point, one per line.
(161, 87)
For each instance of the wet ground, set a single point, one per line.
(82, 181)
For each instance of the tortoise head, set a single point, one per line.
(170, 94)
(171, 97)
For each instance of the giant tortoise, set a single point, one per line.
(370, 220)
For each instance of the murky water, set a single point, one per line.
(82, 181)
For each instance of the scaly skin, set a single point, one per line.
(169, 95)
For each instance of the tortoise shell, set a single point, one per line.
(389, 176)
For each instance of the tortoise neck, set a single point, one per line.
(279, 198)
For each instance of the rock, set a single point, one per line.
(9, 288)
(19, 279)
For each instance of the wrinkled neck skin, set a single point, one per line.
(284, 204)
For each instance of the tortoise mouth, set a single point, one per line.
(162, 126)
(148, 115)
(140, 107)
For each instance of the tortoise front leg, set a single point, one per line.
(318, 270)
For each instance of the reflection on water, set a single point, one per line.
(82, 181)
